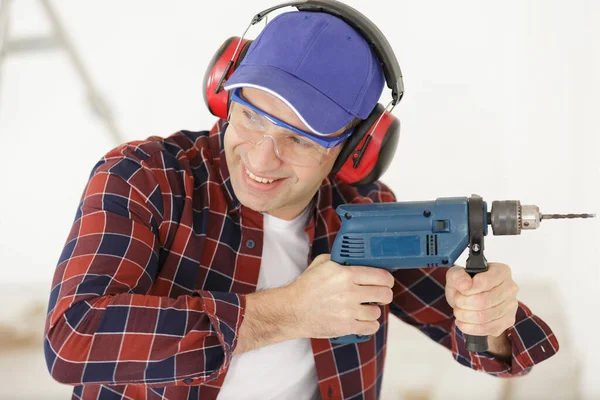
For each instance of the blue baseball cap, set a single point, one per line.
(318, 65)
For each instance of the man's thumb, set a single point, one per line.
(459, 278)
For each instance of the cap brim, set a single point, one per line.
(318, 112)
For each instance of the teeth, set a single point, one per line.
(256, 178)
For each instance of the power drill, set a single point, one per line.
(427, 234)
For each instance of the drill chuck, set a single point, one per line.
(509, 217)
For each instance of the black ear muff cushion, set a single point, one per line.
(359, 133)
(242, 53)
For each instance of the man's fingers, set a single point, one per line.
(368, 312)
(488, 315)
(369, 276)
(492, 328)
(375, 294)
(457, 278)
(365, 327)
(489, 299)
(486, 281)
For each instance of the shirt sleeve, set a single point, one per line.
(420, 301)
(103, 323)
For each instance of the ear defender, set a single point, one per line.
(217, 101)
(369, 151)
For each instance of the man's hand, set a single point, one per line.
(328, 299)
(325, 301)
(485, 305)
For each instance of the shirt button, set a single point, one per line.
(250, 244)
(187, 380)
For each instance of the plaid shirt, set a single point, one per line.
(149, 293)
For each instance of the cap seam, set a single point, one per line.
(369, 76)
(312, 44)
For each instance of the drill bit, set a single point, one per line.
(567, 216)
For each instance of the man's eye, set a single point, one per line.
(301, 142)
(251, 117)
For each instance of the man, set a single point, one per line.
(198, 264)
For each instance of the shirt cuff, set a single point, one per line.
(531, 339)
(226, 313)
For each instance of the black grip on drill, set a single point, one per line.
(477, 343)
(476, 261)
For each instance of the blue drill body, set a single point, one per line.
(403, 235)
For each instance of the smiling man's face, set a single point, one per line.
(293, 187)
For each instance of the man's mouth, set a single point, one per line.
(259, 179)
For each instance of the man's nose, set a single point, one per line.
(263, 155)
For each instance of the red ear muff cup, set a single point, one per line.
(357, 136)
(387, 149)
(217, 102)
(357, 165)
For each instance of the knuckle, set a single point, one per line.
(453, 273)
(388, 296)
(386, 277)
(512, 321)
(498, 328)
(362, 328)
(459, 314)
(324, 257)
(375, 312)
(515, 306)
(392, 279)
(374, 328)
(515, 288)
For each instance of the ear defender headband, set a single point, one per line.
(368, 152)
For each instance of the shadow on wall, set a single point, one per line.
(416, 368)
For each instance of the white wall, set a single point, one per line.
(502, 100)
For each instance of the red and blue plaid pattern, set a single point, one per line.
(149, 292)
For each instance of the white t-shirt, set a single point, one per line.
(283, 370)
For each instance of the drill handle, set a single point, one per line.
(476, 262)
(476, 343)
